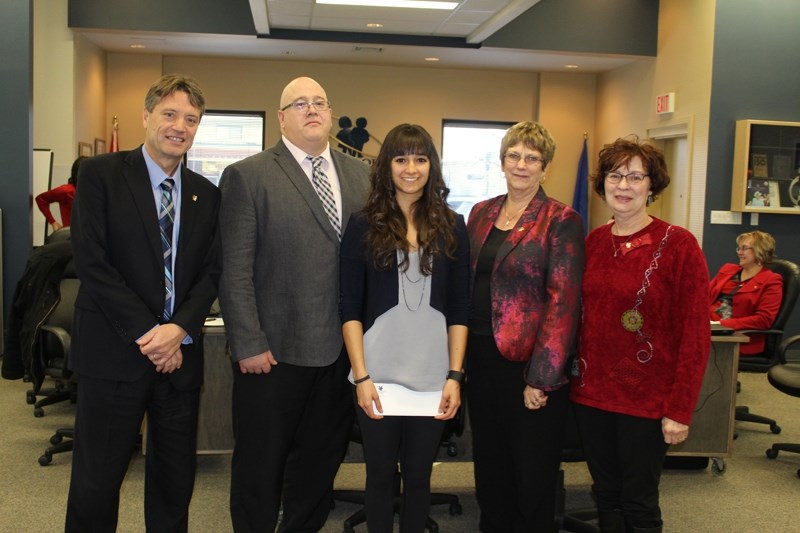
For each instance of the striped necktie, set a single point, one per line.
(166, 219)
(325, 193)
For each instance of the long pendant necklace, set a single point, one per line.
(421, 294)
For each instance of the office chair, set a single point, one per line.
(770, 357)
(453, 428)
(786, 378)
(53, 350)
(53, 345)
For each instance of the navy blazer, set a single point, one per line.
(358, 276)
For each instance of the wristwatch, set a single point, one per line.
(456, 376)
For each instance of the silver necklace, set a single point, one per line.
(510, 217)
(421, 295)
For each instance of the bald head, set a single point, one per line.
(309, 129)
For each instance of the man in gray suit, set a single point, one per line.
(282, 215)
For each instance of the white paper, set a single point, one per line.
(397, 400)
(214, 321)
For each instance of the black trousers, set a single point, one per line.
(625, 455)
(516, 451)
(291, 430)
(107, 423)
(414, 442)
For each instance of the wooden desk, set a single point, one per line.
(711, 431)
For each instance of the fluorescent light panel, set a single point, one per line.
(415, 4)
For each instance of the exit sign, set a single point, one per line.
(665, 103)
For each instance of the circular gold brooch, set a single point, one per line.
(632, 320)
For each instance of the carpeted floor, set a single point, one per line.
(753, 494)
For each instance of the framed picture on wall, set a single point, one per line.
(99, 146)
(85, 150)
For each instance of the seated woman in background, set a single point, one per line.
(748, 295)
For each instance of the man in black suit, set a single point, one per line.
(144, 236)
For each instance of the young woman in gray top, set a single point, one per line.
(404, 306)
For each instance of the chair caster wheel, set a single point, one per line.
(455, 509)
(45, 459)
(56, 439)
(718, 465)
(452, 450)
(348, 530)
(798, 473)
(38, 412)
(775, 428)
(771, 453)
(30, 397)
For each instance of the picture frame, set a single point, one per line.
(99, 146)
(85, 150)
(758, 191)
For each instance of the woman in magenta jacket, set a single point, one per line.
(527, 262)
(748, 295)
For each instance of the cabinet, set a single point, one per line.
(766, 167)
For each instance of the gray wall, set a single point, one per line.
(16, 132)
(756, 75)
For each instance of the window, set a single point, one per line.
(225, 137)
(471, 161)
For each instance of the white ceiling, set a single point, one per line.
(474, 20)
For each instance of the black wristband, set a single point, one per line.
(456, 376)
(361, 380)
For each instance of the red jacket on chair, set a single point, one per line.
(755, 305)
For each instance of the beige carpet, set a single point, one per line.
(754, 494)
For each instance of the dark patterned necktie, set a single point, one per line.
(166, 219)
(325, 193)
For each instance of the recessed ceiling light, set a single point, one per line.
(374, 25)
(571, 66)
(138, 46)
(431, 59)
(416, 4)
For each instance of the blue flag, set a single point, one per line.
(580, 200)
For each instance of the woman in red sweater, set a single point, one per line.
(747, 295)
(644, 339)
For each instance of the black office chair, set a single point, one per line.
(53, 350)
(770, 356)
(786, 378)
(53, 345)
(453, 428)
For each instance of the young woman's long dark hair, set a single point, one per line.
(434, 220)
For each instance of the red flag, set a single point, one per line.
(114, 145)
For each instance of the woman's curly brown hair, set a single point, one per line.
(620, 152)
(386, 224)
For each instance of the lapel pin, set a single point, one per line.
(194, 197)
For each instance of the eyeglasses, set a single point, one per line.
(530, 160)
(302, 106)
(743, 248)
(632, 178)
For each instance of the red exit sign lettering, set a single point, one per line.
(665, 103)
